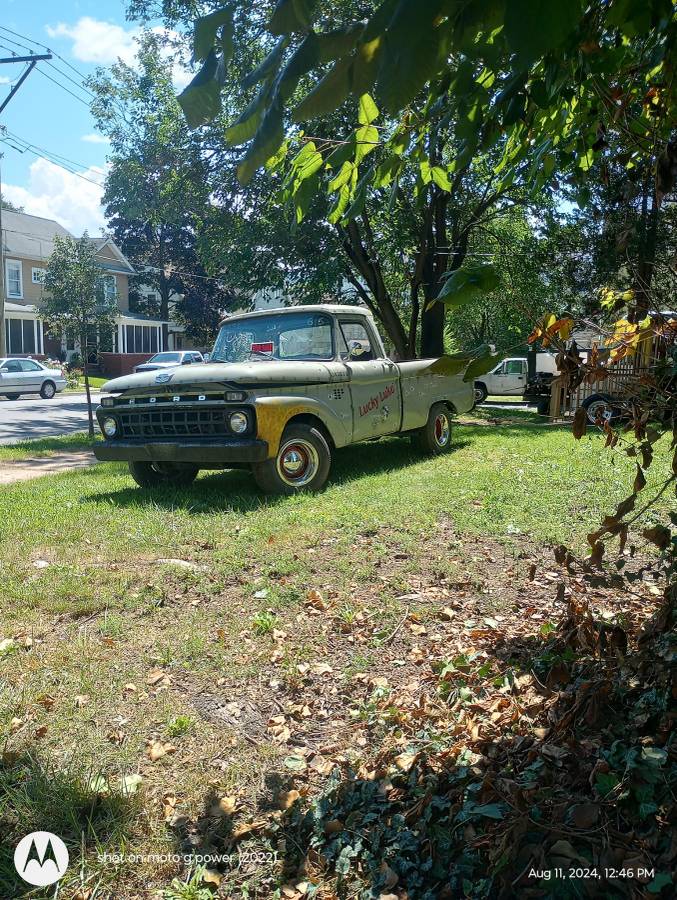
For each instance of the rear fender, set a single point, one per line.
(273, 413)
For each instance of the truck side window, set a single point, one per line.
(357, 342)
(514, 367)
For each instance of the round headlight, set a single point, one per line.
(109, 427)
(239, 422)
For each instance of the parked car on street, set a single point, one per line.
(169, 359)
(284, 389)
(28, 376)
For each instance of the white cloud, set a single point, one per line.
(54, 193)
(95, 41)
(103, 43)
(95, 139)
(4, 79)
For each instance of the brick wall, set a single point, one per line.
(115, 364)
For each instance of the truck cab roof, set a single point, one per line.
(332, 309)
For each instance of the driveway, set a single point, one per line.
(31, 418)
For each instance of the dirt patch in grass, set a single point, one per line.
(24, 469)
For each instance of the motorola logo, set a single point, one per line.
(41, 858)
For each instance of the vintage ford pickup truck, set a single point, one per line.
(282, 391)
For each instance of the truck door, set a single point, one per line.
(374, 380)
(508, 378)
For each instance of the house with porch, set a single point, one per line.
(27, 243)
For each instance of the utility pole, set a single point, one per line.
(31, 59)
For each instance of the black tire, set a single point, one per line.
(150, 475)
(48, 390)
(435, 436)
(543, 406)
(481, 392)
(599, 403)
(302, 463)
(12, 396)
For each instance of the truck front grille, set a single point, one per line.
(206, 422)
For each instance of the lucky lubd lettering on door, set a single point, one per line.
(375, 401)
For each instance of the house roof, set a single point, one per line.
(32, 237)
(29, 236)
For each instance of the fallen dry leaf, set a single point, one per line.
(157, 749)
(287, 799)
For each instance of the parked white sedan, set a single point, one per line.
(28, 376)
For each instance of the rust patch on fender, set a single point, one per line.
(271, 418)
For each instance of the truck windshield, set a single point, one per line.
(294, 336)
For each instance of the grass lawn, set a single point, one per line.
(94, 383)
(225, 647)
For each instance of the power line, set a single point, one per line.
(17, 137)
(47, 159)
(63, 87)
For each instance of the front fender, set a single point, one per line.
(273, 413)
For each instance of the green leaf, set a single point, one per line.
(201, 100)
(303, 60)
(532, 27)
(327, 95)
(244, 127)
(467, 282)
(295, 762)
(441, 178)
(368, 110)
(269, 64)
(416, 49)
(482, 365)
(205, 31)
(342, 178)
(267, 141)
(333, 44)
(447, 365)
(662, 880)
(367, 140)
(291, 15)
(489, 811)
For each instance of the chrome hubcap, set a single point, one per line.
(442, 430)
(49, 390)
(297, 462)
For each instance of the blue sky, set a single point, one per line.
(86, 34)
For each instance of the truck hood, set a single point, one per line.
(259, 372)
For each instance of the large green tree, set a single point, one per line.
(76, 303)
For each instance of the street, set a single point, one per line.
(32, 417)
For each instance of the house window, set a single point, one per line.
(20, 336)
(142, 338)
(38, 275)
(13, 278)
(109, 287)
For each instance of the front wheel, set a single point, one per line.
(302, 463)
(150, 475)
(481, 392)
(48, 390)
(435, 436)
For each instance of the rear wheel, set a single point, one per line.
(600, 408)
(48, 390)
(435, 436)
(302, 463)
(149, 475)
(481, 392)
(12, 396)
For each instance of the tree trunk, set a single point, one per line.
(85, 370)
(369, 271)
